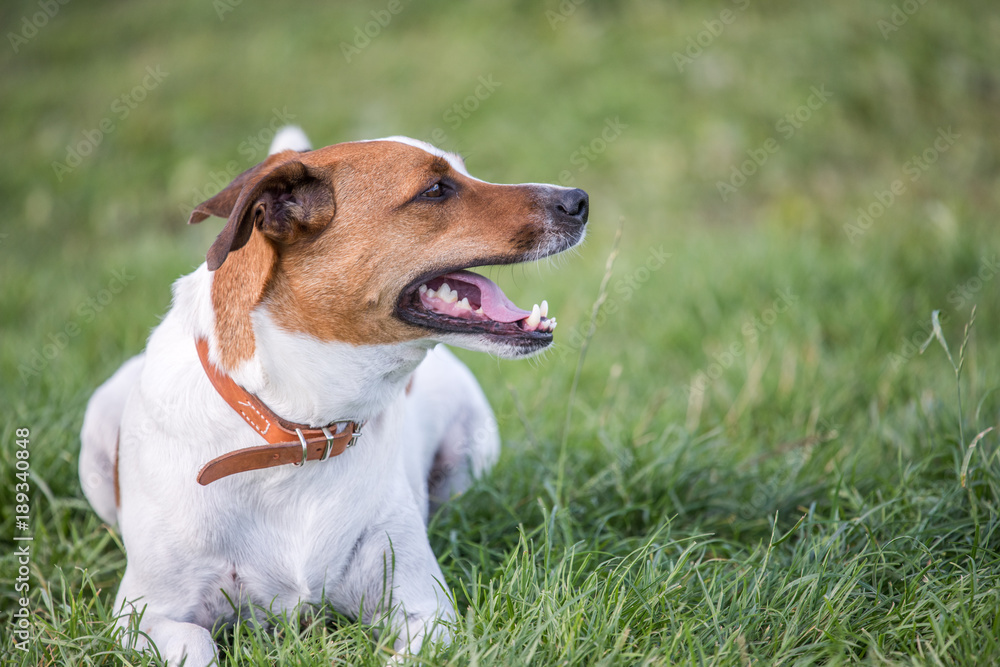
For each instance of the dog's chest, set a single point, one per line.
(291, 541)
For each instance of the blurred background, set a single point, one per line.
(798, 186)
(845, 152)
(756, 144)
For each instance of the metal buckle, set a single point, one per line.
(329, 443)
(305, 448)
(355, 434)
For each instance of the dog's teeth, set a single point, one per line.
(431, 294)
(423, 289)
(552, 324)
(478, 311)
(464, 304)
(534, 319)
(545, 309)
(447, 294)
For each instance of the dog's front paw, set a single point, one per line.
(176, 642)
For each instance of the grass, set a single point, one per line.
(759, 464)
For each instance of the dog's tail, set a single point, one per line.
(290, 138)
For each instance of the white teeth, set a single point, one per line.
(545, 309)
(430, 294)
(423, 289)
(534, 319)
(478, 311)
(464, 304)
(446, 294)
(547, 325)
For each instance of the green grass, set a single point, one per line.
(788, 491)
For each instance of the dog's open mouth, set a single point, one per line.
(463, 302)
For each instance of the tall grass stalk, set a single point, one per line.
(602, 295)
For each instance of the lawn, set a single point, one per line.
(748, 445)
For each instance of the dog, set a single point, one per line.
(293, 418)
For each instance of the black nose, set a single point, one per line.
(573, 206)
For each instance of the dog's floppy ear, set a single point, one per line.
(281, 197)
(221, 205)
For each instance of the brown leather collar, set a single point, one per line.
(288, 442)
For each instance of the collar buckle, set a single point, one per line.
(355, 434)
(305, 448)
(329, 443)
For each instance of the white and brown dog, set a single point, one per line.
(312, 327)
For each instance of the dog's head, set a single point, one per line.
(370, 243)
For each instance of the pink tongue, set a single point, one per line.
(495, 303)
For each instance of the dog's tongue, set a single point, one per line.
(494, 302)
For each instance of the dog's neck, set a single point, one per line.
(314, 382)
(300, 378)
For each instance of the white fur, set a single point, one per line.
(456, 161)
(289, 138)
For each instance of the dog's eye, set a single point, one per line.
(434, 191)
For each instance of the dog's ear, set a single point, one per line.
(221, 205)
(281, 197)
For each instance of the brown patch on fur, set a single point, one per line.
(345, 286)
(338, 277)
(237, 287)
(118, 488)
(274, 205)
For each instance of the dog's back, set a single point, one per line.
(99, 439)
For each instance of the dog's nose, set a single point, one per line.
(573, 205)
